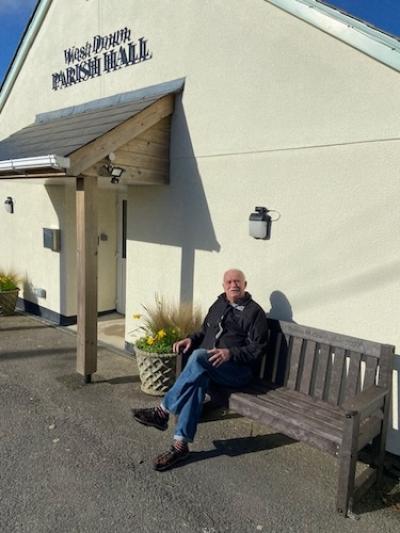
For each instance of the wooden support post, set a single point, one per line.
(86, 221)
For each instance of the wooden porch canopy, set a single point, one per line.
(82, 142)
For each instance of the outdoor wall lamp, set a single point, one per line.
(260, 223)
(116, 173)
(9, 205)
(109, 170)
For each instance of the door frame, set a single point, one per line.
(122, 212)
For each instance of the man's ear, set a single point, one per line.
(245, 284)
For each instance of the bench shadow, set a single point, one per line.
(374, 500)
(388, 497)
(239, 446)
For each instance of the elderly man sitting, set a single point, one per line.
(224, 351)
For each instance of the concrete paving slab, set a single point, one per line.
(110, 330)
(72, 459)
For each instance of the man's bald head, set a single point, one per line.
(234, 284)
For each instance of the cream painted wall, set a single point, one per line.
(35, 208)
(332, 253)
(274, 112)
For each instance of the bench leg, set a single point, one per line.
(379, 444)
(347, 465)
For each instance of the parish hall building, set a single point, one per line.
(137, 138)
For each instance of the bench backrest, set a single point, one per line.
(322, 364)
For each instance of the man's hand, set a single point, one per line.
(182, 346)
(219, 356)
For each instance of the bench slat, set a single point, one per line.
(371, 365)
(320, 416)
(386, 365)
(297, 428)
(322, 368)
(295, 349)
(334, 411)
(305, 420)
(353, 377)
(293, 417)
(277, 351)
(308, 365)
(296, 433)
(328, 337)
(336, 376)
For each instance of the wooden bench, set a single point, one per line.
(331, 391)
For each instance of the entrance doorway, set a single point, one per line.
(121, 252)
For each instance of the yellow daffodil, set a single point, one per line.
(136, 316)
(161, 334)
(150, 341)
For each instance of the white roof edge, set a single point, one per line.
(374, 43)
(53, 161)
(24, 47)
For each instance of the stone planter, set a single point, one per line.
(8, 301)
(156, 371)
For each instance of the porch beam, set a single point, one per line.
(91, 153)
(86, 222)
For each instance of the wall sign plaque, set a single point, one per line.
(100, 55)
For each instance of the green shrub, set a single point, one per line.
(8, 281)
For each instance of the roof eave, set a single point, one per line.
(374, 43)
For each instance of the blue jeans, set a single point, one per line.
(186, 396)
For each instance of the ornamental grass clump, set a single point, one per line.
(165, 323)
(8, 281)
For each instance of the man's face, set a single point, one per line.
(234, 285)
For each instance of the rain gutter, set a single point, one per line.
(29, 163)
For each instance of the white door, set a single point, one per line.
(121, 253)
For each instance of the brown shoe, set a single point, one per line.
(168, 459)
(151, 417)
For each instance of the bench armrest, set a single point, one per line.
(179, 363)
(366, 402)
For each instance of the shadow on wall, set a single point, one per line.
(176, 215)
(29, 302)
(280, 307)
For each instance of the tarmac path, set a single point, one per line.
(73, 460)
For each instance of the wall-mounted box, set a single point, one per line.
(52, 239)
(40, 293)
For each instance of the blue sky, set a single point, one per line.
(383, 14)
(15, 14)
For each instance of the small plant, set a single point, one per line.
(163, 324)
(8, 281)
